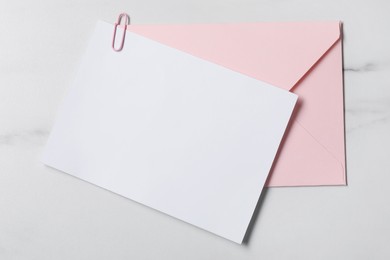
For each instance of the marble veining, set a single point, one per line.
(35, 136)
(365, 68)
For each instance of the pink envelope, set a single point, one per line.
(303, 57)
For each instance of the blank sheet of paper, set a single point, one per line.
(171, 131)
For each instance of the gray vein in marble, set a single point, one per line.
(365, 68)
(360, 111)
(30, 136)
(381, 120)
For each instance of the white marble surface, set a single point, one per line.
(49, 215)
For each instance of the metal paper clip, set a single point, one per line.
(127, 22)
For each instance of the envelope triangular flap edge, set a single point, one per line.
(286, 51)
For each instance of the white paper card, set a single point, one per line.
(171, 131)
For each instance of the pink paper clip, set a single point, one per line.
(127, 22)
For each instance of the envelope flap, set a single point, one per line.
(285, 51)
